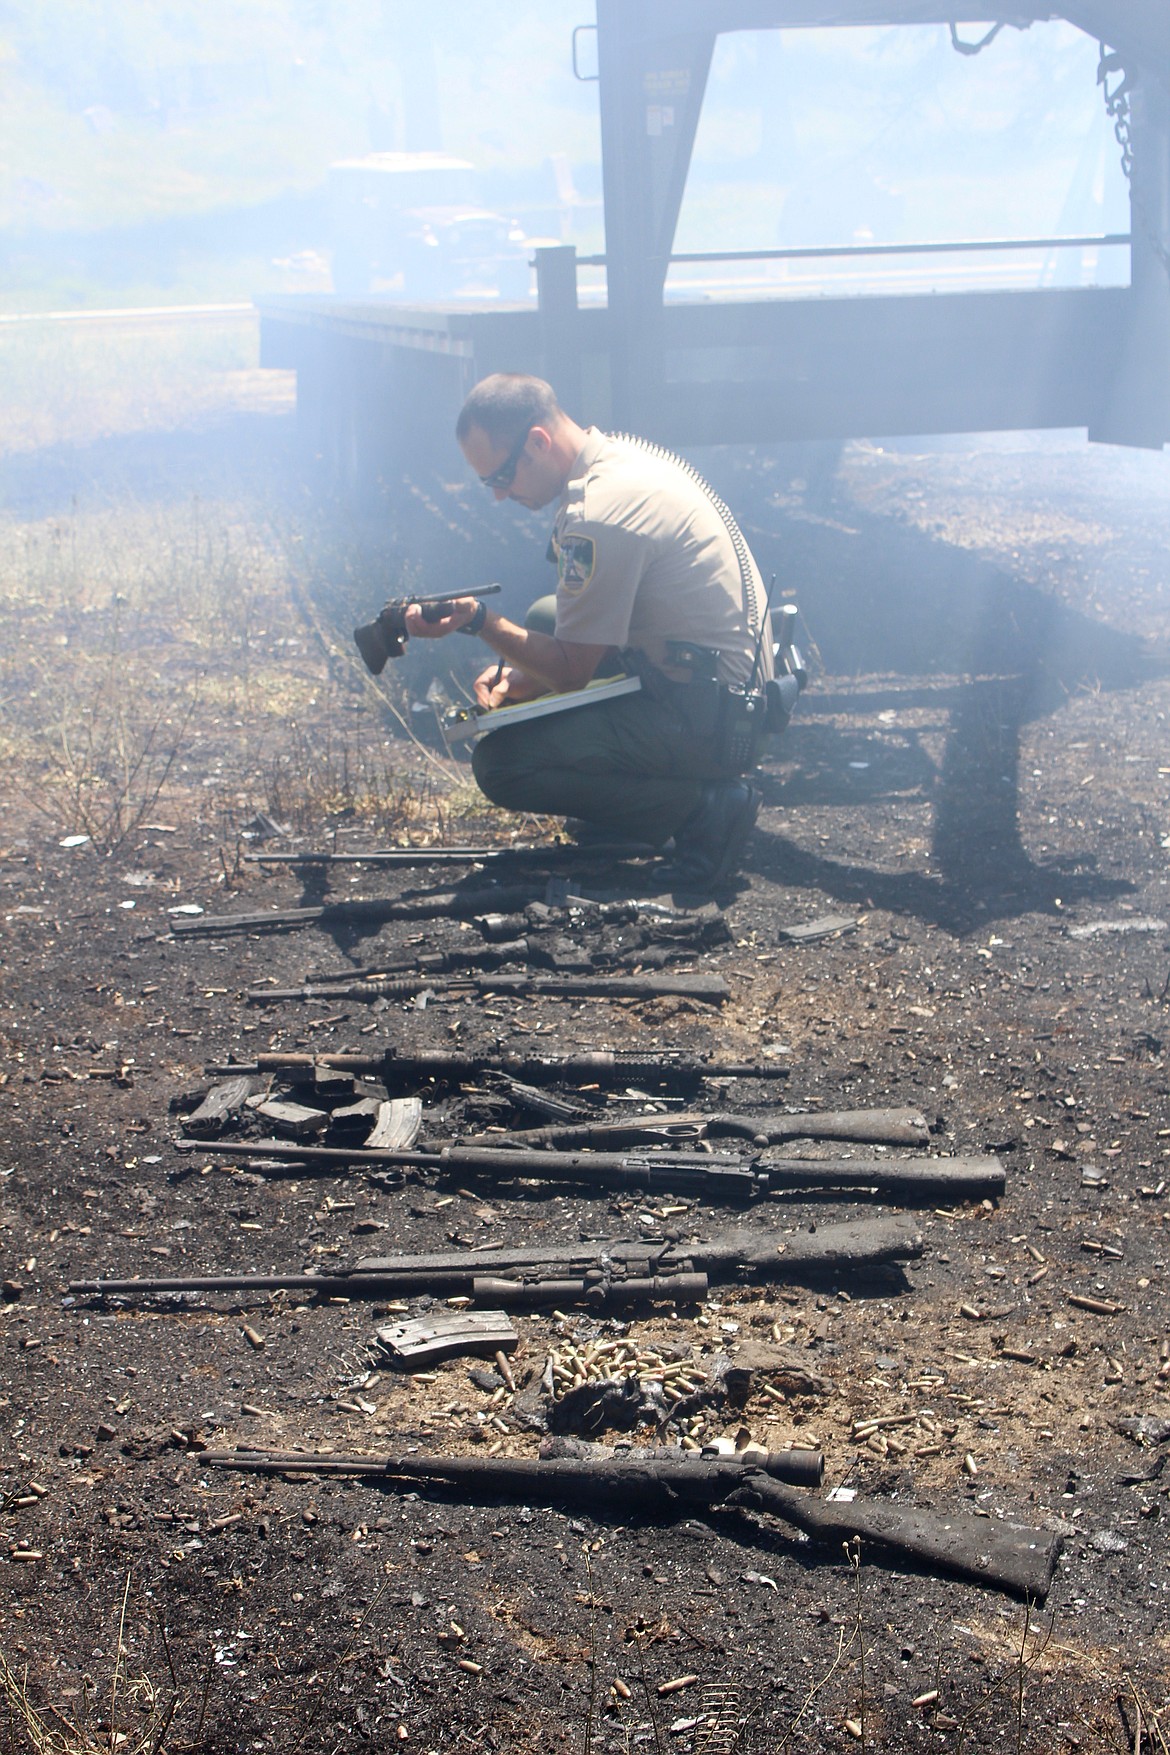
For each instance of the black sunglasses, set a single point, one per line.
(505, 475)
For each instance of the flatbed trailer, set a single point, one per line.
(379, 383)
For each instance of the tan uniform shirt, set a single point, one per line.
(644, 556)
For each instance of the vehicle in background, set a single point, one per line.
(409, 224)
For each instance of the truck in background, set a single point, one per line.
(409, 224)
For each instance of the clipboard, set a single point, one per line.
(478, 722)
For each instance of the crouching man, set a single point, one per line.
(653, 578)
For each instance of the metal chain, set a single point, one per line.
(963, 48)
(1117, 106)
(1116, 103)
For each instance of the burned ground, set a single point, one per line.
(979, 784)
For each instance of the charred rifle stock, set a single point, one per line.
(1004, 1556)
(385, 637)
(730, 1255)
(714, 1175)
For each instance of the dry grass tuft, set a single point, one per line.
(136, 1720)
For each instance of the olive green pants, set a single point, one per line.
(634, 765)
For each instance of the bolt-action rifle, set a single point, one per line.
(1005, 1556)
(716, 1176)
(730, 1255)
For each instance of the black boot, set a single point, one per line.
(710, 844)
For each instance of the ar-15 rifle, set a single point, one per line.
(385, 637)
(730, 1255)
(714, 1176)
(1004, 1556)
(597, 1066)
(710, 989)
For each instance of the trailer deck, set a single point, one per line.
(380, 383)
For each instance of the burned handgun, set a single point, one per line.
(385, 636)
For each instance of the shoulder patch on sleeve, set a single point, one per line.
(576, 562)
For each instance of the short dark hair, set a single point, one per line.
(507, 404)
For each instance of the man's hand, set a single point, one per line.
(455, 616)
(498, 685)
(541, 663)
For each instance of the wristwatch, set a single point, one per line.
(475, 625)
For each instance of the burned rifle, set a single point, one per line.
(1005, 1556)
(482, 905)
(597, 1288)
(559, 853)
(884, 1127)
(800, 1468)
(597, 1066)
(367, 911)
(711, 989)
(715, 1176)
(385, 637)
(359, 982)
(730, 1255)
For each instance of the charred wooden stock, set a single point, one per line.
(1004, 1556)
(712, 1174)
(740, 1254)
(711, 989)
(885, 1127)
(902, 1176)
